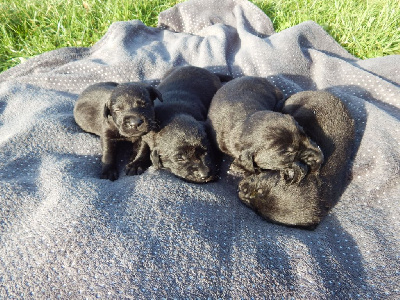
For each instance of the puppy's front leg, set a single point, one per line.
(109, 166)
(243, 165)
(139, 162)
(237, 169)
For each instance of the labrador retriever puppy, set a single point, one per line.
(327, 121)
(117, 112)
(246, 128)
(182, 144)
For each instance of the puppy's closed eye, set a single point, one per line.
(287, 151)
(139, 104)
(118, 107)
(181, 157)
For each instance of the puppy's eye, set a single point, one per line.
(140, 104)
(289, 151)
(180, 157)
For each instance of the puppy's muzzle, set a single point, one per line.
(134, 123)
(201, 175)
(204, 175)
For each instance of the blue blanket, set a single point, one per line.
(66, 233)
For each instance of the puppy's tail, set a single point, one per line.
(279, 105)
(223, 77)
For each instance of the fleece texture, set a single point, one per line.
(64, 232)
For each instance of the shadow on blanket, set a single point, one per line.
(329, 262)
(324, 257)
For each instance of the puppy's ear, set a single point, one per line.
(246, 161)
(106, 111)
(278, 94)
(208, 127)
(154, 94)
(107, 89)
(155, 159)
(280, 99)
(223, 77)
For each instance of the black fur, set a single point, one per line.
(258, 138)
(327, 121)
(182, 145)
(116, 112)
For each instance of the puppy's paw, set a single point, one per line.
(313, 159)
(236, 169)
(135, 168)
(109, 172)
(295, 174)
(248, 193)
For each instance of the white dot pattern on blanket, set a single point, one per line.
(65, 233)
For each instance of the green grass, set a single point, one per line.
(367, 28)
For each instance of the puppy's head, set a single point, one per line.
(131, 108)
(279, 143)
(183, 148)
(278, 202)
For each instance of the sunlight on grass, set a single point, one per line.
(365, 28)
(30, 27)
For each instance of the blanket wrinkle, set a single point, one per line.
(66, 233)
(191, 17)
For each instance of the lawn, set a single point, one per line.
(367, 28)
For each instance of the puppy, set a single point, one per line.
(246, 128)
(116, 112)
(327, 121)
(182, 145)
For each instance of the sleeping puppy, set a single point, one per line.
(182, 145)
(246, 128)
(116, 112)
(327, 121)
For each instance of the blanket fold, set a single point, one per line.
(66, 233)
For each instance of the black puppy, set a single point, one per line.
(182, 145)
(327, 121)
(246, 128)
(116, 112)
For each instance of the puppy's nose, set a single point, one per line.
(133, 122)
(203, 174)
